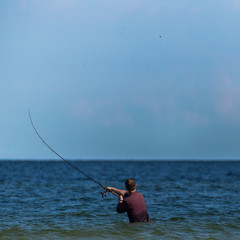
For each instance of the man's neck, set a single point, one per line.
(130, 192)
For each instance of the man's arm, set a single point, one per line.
(115, 190)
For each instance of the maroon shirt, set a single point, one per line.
(135, 207)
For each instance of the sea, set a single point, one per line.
(185, 199)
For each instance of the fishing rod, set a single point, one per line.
(104, 193)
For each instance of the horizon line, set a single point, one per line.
(122, 159)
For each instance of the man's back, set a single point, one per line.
(134, 205)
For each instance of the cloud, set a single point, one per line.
(195, 119)
(105, 112)
(129, 112)
(233, 4)
(227, 99)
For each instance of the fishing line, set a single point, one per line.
(60, 155)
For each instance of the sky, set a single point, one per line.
(108, 79)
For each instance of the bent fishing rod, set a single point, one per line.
(104, 193)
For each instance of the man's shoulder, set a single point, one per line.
(133, 195)
(139, 194)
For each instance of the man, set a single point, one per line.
(131, 201)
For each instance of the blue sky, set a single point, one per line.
(120, 79)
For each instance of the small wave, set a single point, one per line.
(176, 219)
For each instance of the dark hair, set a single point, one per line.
(130, 184)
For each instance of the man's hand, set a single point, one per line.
(108, 189)
(120, 198)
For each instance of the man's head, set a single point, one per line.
(130, 184)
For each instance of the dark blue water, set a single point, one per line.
(185, 200)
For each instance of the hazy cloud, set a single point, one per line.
(228, 99)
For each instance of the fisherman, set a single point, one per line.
(131, 201)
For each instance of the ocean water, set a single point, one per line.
(185, 200)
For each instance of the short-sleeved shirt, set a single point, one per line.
(135, 207)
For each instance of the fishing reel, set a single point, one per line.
(104, 193)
